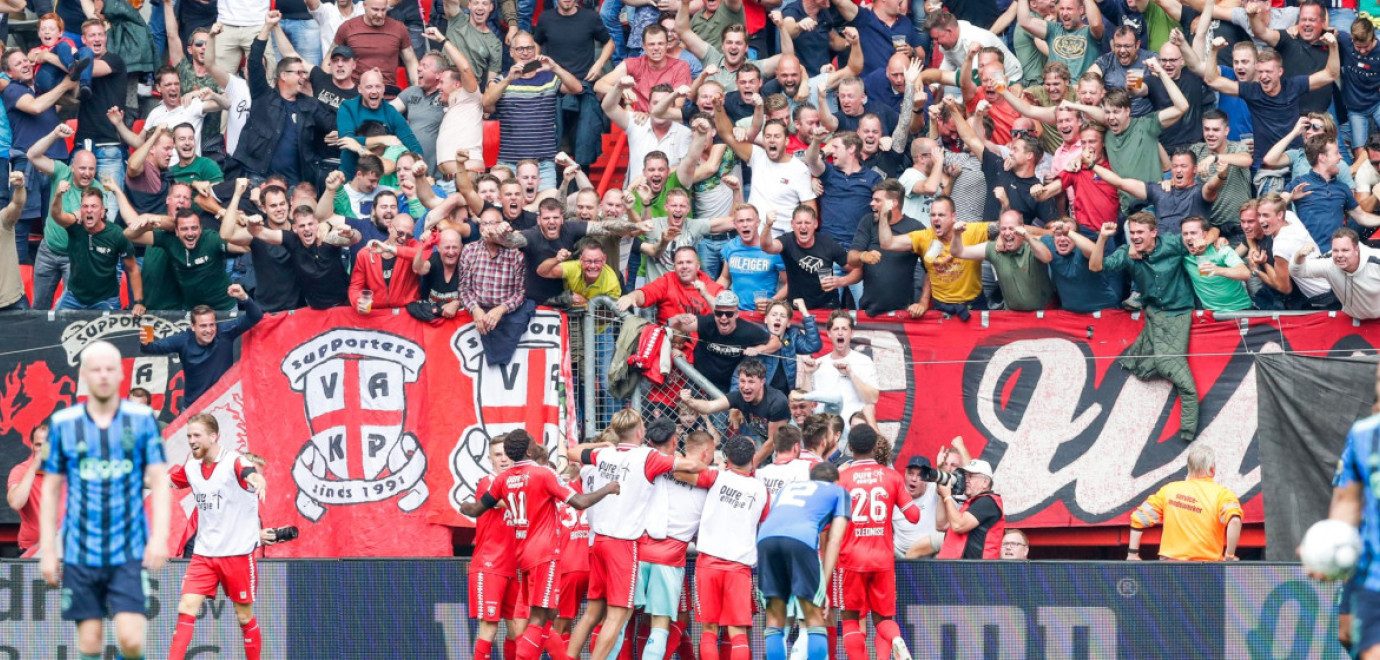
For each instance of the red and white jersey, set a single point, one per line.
(875, 491)
(624, 516)
(495, 538)
(810, 457)
(575, 536)
(227, 512)
(734, 506)
(531, 493)
(668, 543)
(777, 475)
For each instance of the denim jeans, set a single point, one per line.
(157, 29)
(1358, 125)
(611, 13)
(70, 302)
(49, 76)
(548, 172)
(49, 269)
(604, 348)
(855, 289)
(17, 306)
(305, 37)
(110, 161)
(1341, 19)
(710, 260)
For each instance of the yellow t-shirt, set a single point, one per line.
(1195, 513)
(951, 280)
(605, 285)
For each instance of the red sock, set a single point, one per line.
(854, 641)
(643, 632)
(594, 636)
(725, 646)
(673, 637)
(832, 633)
(887, 631)
(253, 639)
(509, 648)
(529, 646)
(555, 645)
(182, 636)
(687, 646)
(741, 649)
(709, 646)
(483, 649)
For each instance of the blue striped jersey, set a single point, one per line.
(105, 523)
(526, 115)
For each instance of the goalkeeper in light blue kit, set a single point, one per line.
(1354, 502)
(788, 558)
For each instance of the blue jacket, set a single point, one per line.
(202, 366)
(797, 340)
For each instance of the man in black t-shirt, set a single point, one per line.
(440, 273)
(763, 409)
(577, 40)
(553, 234)
(723, 340)
(317, 251)
(810, 258)
(108, 88)
(1014, 176)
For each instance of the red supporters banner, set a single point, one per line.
(1074, 439)
(374, 429)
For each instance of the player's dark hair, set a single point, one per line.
(752, 367)
(739, 450)
(787, 439)
(814, 430)
(824, 471)
(661, 431)
(515, 445)
(862, 440)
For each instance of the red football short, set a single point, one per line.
(613, 571)
(872, 591)
(723, 596)
(238, 574)
(574, 587)
(541, 584)
(834, 596)
(495, 597)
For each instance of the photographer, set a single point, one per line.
(976, 528)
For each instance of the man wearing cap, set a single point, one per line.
(906, 535)
(975, 529)
(723, 341)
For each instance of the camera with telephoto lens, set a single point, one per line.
(954, 480)
(284, 534)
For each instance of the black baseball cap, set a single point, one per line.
(918, 462)
(342, 51)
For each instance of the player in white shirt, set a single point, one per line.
(904, 533)
(736, 504)
(844, 372)
(788, 465)
(227, 489)
(617, 523)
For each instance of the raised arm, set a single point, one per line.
(612, 105)
(1096, 256)
(230, 229)
(959, 250)
(724, 126)
(1036, 25)
(1333, 70)
(9, 216)
(1211, 73)
(976, 145)
(885, 237)
(1276, 156)
(176, 51)
(699, 143)
(813, 159)
(1170, 115)
(692, 41)
(1133, 187)
(140, 156)
(1259, 13)
(37, 153)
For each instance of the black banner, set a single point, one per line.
(38, 371)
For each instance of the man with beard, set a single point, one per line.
(377, 226)
(1218, 275)
(317, 252)
(730, 55)
(380, 42)
(675, 230)
(1274, 99)
(284, 127)
(275, 276)
(1320, 200)
(207, 348)
(476, 40)
(1354, 271)
(1156, 266)
(553, 235)
(952, 285)
(724, 341)
(331, 84)
(646, 133)
(1180, 61)
(1216, 153)
(647, 70)
(756, 276)
(31, 116)
(382, 269)
(369, 106)
(954, 39)
(854, 105)
(197, 256)
(1010, 175)
(1116, 69)
(1176, 199)
(50, 262)
(1071, 41)
(95, 247)
(1080, 290)
(685, 290)
(524, 102)
(1021, 264)
(190, 167)
(810, 259)
(492, 278)
(781, 181)
(440, 275)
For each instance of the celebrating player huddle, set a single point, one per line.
(617, 531)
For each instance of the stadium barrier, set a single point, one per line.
(416, 610)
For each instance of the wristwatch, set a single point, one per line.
(136, 301)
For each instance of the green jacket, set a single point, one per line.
(129, 36)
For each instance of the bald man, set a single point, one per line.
(887, 86)
(105, 567)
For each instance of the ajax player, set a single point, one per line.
(531, 494)
(228, 489)
(104, 453)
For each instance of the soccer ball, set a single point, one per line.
(1330, 548)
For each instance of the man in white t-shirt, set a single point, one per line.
(844, 373)
(646, 133)
(780, 182)
(177, 109)
(904, 533)
(1290, 236)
